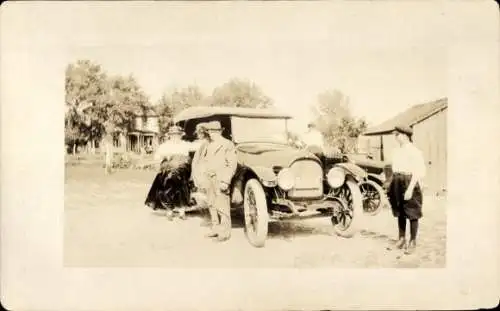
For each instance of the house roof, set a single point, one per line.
(198, 112)
(409, 117)
(150, 112)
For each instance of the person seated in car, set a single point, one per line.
(313, 139)
(168, 189)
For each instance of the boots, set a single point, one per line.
(221, 238)
(399, 244)
(224, 229)
(170, 214)
(206, 221)
(412, 245)
(182, 213)
(213, 232)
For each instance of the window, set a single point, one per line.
(270, 130)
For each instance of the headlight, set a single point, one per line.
(286, 179)
(335, 177)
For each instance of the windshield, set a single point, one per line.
(259, 130)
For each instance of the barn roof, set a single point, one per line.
(409, 117)
(198, 112)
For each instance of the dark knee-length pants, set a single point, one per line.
(411, 209)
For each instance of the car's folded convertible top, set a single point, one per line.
(209, 111)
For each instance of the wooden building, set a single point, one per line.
(429, 124)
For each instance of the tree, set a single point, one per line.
(176, 101)
(99, 106)
(333, 118)
(72, 136)
(85, 86)
(240, 93)
(124, 102)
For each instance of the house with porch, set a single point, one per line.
(143, 132)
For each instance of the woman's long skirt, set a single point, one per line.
(411, 209)
(152, 199)
(169, 189)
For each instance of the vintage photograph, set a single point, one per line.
(249, 155)
(255, 147)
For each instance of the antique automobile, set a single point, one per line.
(372, 184)
(275, 181)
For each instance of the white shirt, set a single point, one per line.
(313, 138)
(171, 147)
(409, 159)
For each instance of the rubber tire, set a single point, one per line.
(256, 237)
(357, 211)
(383, 197)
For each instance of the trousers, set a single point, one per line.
(219, 205)
(411, 209)
(402, 227)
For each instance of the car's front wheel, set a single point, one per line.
(347, 220)
(256, 214)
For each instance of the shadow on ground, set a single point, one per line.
(285, 229)
(276, 230)
(376, 236)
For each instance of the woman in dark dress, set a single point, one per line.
(405, 192)
(170, 188)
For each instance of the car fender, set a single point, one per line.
(352, 169)
(266, 177)
(376, 178)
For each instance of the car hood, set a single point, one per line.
(270, 155)
(369, 165)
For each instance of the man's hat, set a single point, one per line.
(175, 130)
(201, 127)
(214, 126)
(404, 129)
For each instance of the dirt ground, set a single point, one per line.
(106, 225)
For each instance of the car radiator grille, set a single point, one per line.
(308, 180)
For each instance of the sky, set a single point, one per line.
(384, 60)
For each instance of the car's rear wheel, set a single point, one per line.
(255, 213)
(374, 197)
(347, 219)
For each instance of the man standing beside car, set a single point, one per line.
(221, 166)
(198, 176)
(405, 188)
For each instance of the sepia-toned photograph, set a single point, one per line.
(194, 151)
(249, 155)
